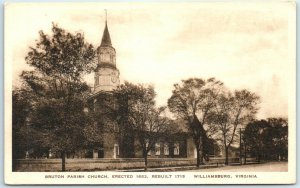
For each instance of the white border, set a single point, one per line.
(262, 177)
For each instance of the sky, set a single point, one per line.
(245, 45)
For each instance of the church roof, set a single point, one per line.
(106, 65)
(106, 37)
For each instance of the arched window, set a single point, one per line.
(157, 148)
(116, 150)
(111, 58)
(147, 147)
(176, 148)
(166, 148)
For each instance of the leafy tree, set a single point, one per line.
(279, 136)
(210, 147)
(138, 114)
(231, 111)
(193, 100)
(59, 62)
(21, 108)
(267, 139)
(253, 137)
(93, 133)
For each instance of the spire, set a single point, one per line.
(106, 37)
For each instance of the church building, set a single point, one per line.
(113, 143)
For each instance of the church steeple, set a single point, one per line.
(106, 73)
(106, 37)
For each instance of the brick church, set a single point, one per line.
(114, 144)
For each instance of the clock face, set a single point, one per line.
(114, 79)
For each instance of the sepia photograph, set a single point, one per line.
(150, 93)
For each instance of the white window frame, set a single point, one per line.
(147, 145)
(94, 104)
(176, 148)
(166, 149)
(157, 148)
(117, 149)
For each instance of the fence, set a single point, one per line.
(54, 165)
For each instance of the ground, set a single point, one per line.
(265, 167)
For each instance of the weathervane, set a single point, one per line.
(105, 15)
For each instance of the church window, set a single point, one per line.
(176, 148)
(112, 58)
(106, 58)
(94, 105)
(101, 80)
(147, 147)
(166, 149)
(117, 149)
(107, 80)
(157, 148)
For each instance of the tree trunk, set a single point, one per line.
(199, 148)
(146, 161)
(201, 152)
(63, 164)
(198, 157)
(245, 154)
(226, 155)
(241, 162)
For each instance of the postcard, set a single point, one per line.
(150, 93)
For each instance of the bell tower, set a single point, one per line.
(106, 73)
